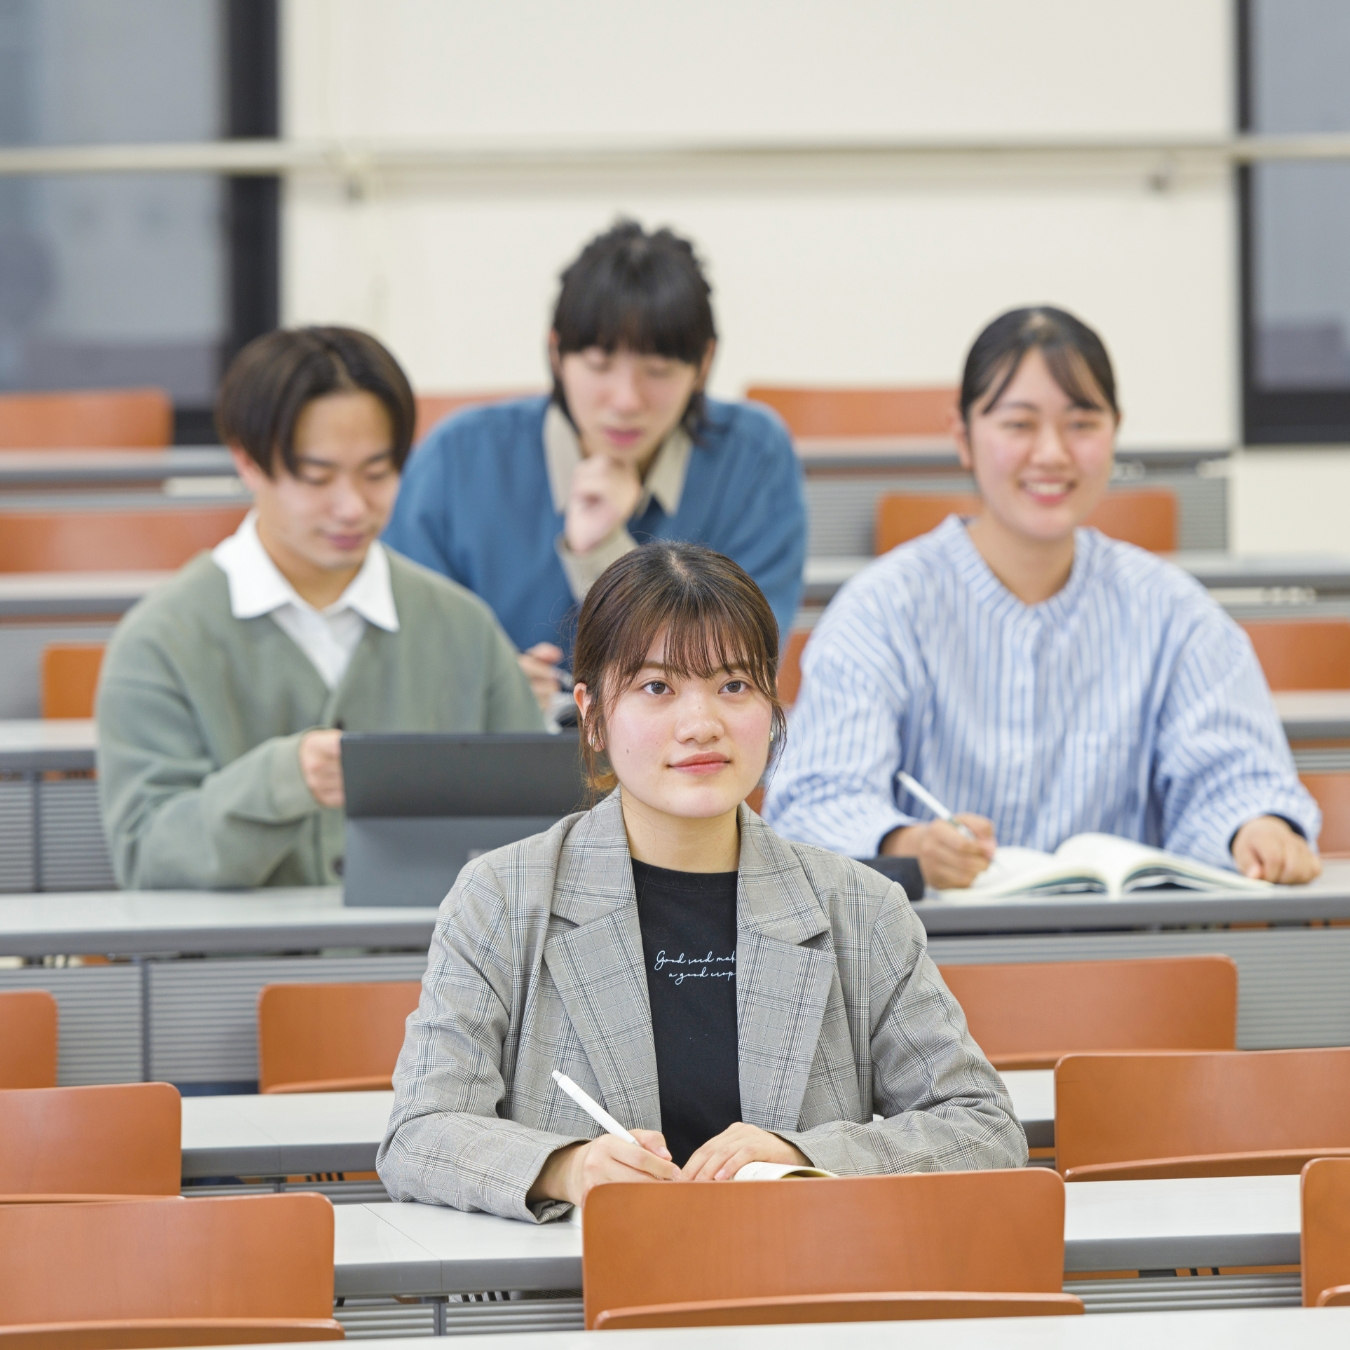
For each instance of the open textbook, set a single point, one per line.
(1096, 864)
(762, 1171)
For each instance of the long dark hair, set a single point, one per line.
(713, 616)
(1076, 357)
(646, 292)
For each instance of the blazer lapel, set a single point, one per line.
(598, 966)
(782, 987)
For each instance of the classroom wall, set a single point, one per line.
(827, 268)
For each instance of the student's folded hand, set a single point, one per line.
(725, 1154)
(540, 664)
(603, 495)
(1267, 849)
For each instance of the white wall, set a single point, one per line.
(821, 274)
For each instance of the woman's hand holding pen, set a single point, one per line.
(540, 664)
(571, 1173)
(948, 858)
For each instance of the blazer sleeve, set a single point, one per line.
(943, 1106)
(445, 1143)
(173, 818)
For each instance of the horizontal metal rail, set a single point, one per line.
(357, 158)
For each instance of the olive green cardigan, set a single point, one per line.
(200, 716)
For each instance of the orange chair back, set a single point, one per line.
(859, 412)
(1331, 791)
(1326, 1233)
(247, 1263)
(649, 1247)
(93, 419)
(28, 1020)
(1145, 517)
(113, 540)
(70, 678)
(431, 408)
(332, 1037)
(1178, 1114)
(790, 666)
(120, 1139)
(1028, 1016)
(1303, 653)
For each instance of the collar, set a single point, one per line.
(665, 475)
(774, 895)
(969, 562)
(257, 586)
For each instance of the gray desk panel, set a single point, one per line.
(1315, 715)
(283, 1134)
(289, 1133)
(1326, 898)
(147, 923)
(1120, 1225)
(1324, 573)
(59, 595)
(111, 468)
(1248, 1329)
(38, 745)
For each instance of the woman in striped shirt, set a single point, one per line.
(1038, 677)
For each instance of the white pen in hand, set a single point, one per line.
(592, 1107)
(918, 790)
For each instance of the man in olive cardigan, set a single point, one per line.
(225, 692)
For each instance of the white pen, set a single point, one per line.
(592, 1107)
(935, 806)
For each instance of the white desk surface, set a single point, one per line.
(278, 1135)
(1215, 569)
(148, 922)
(283, 1134)
(1246, 1329)
(1314, 714)
(385, 1249)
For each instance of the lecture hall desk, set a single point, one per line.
(1259, 1329)
(283, 1134)
(177, 1000)
(388, 1250)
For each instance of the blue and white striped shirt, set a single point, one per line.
(1127, 703)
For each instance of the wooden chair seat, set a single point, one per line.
(893, 1307)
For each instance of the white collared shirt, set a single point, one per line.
(329, 637)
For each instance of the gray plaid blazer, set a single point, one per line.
(536, 964)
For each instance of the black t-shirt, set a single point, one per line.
(688, 922)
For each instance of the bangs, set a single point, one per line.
(1067, 368)
(652, 315)
(703, 636)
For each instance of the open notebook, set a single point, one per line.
(1095, 864)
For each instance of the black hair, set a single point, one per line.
(1076, 356)
(713, 616)
(269, 383)
(646, 292)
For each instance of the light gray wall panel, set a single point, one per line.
(203, 1014)
(100, 1019)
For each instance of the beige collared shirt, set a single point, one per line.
(664, 482)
